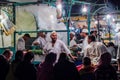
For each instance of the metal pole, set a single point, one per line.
(109, 30)
(98, 27)
(68, 18)
(1, 33)
(40, 30)
(88, 21)
(14, 14)
(15, 41)
(14, 21)
(2, 38)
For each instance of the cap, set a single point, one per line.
(72, 33)
(53, 32)
(85, 30)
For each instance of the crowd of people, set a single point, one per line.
(59, 62)
(22, 68)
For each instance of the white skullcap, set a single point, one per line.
(72, 33)
(85, 30)
(53, 32)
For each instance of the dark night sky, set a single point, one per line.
(115, 2)
(112, 4)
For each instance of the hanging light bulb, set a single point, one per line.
(96, 22)
(108, 16)
(84, 9)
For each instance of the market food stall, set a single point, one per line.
(47, 16)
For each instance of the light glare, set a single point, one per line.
(108, 16)
(84, 9)
(113, 20)
(59, 6)
(51, 16)
(96, 22)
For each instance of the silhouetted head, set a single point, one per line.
(29, 56)
(63, 56)
(50, 58)
(8, 54)
(19, 55)
(105, 58)
(86, 61)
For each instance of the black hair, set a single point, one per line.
(27, 35)
(6, 52)
(105, 58)
(86, 61)
(63, 56)
(19, 55)
(50, 58)
(92, 37)
(28, 56)
(111, 44)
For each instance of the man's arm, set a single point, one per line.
(67, 51)
(72, 57)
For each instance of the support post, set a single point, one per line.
(88, 21)
(14, 41)
(68, 21)
(98, 27)
(14, 14)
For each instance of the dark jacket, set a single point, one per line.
(105, 72)
(45, 71)
(4, 67)
(65, 70)
(25, 71)
(87, 73)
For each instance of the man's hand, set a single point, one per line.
(36, 43)
(72, 57)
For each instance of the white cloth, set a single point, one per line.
(117, 38)
(84, 44)
(41, 41)
(58, 48)
(111, 50)
(72, 43)
(21, 44)
(94, 51)
(118, 52)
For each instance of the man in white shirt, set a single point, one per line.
(118, 57)
(21, 42)
(72, 40)
(56, 46)
(40, 41)
(84, 41)
(94, 49)
(74, 47)
(117, 43)
(117, 38)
